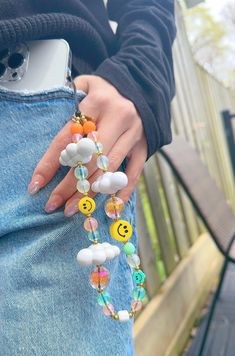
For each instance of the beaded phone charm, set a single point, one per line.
(76, 154)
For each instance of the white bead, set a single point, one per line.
(116, 250)
(62, 162)
(100, 253)
(110, 253)
(69, 157)
(96, 247)
(84, 257)
(94, 187)
(123, 315)
(72, 162)
(85, 159)
(71, 149)
(86, 147)
(99, 257)
(104, 185)
(119, 180)
(64, 155)
(106, 244)
(108, 174)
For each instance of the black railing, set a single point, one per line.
(229, 126)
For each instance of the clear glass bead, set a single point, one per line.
(93, 136)
(136, 305)
(99, 147)
(76, 137)
(81, 172)
(133, 260)
(94, 235)
(100, 277)
(108, 309)
(83, 186)
(114, 207)
(138, 293)
(90, 224)
(103, 298)
(103, 162)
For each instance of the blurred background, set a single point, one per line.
(176, 235)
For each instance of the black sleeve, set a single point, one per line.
(142, 68)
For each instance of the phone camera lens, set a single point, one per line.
(15, 60)
(4, 53)
(2, 69)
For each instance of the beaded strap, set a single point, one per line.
(84, 144)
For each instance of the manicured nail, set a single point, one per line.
(35, 185)
(71, 209)
(52, 204)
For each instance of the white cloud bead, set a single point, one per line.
(110, 183)
(119, 180)
(85, 257)
(97, 254)
(86, 147)
(99, 257)
(71, 155)
(110, 253)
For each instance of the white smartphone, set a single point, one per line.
(35, 65)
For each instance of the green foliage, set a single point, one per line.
(204, 29)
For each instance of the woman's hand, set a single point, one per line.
(120, 131)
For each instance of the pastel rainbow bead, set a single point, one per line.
(100, 277)
(90, 224)
(114, 207)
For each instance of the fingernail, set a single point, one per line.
(35, 185)
(71, 209)
(52, 204)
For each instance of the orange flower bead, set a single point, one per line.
(76, 128)
(89, 126)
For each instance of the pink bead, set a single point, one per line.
(90, 224)
(108, 309)
(93, 136)
(76, 138)
(136, 305)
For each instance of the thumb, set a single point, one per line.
(82, 82)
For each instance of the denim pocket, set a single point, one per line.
(40, 281)
(28, 124)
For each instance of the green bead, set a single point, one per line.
(138, 293)
(103, 298)
(94, 235)
(128, 248)
(138, 277)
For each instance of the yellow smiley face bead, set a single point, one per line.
(121, 230)
(86, 205)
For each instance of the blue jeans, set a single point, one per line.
(47, 306)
